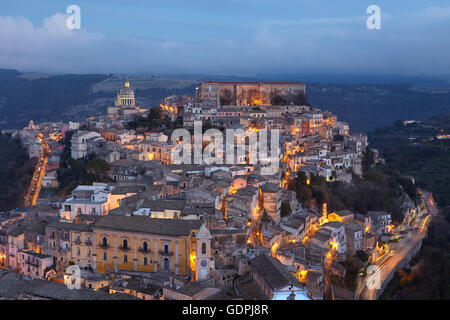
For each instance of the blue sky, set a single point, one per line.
(226, 36)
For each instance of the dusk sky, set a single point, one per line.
(226, 37)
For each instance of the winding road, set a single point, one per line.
(387, 265)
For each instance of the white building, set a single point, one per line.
(97, 199)
(80, 143)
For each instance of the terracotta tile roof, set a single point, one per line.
(143, 224)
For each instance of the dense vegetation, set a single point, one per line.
(81, 171)
(16, 171)
(414, 150)
(366, 107)
(380, 189)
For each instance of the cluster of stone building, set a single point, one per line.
(195, 231)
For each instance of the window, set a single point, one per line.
(125, 243)
(145, 261)
(78, 251)
(125, 258)
(105, 256)
(203, 248)
(145, 246)
(166, 248)
(105, 242)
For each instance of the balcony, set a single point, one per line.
(88, 243)
(144, 251)
(103, 246)
(125, 249)
(165, 253)
(77, 241)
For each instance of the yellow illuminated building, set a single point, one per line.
(140, 243)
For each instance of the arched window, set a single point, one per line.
(125, 243)
(125, 258)
(105, 241)
(145, 246)
(203, 248)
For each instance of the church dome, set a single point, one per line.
(126, 90)
(125, 97)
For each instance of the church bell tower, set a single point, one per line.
(204, 260)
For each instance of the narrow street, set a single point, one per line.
(36, 181)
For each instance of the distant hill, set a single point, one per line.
(41, 99)
(46, 97)
(366, 107)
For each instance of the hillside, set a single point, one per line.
(414, 150)
(44, 97)
(15, 172)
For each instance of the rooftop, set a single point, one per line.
(144, 224)
(275, 274)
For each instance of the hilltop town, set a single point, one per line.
(110, 212)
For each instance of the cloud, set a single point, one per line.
(414, 42)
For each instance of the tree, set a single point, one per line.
(98, 167)
(368, 161)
